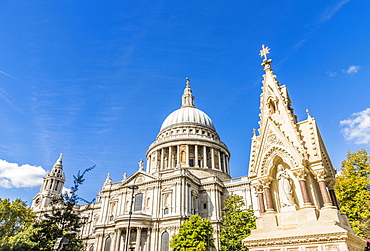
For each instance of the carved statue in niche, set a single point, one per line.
(183, 157)
(165, 162)
(285, 187)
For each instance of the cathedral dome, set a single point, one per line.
(188, 115)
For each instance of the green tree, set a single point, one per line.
(353, 191)
(62, 221)
(16, 222)
(238, 221)
(195, 234)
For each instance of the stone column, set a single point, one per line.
(196, 164)
(169, 159)
(162, 159)
(213, 158)
(227, 165)
(219, 160)
(333, 196)
(148, 161)
(205, 156)
(266, 188)
(97, 244)
(224, 163)
(187, 155)
(156, 160)
(117, 238)
(301, 175)
(178, 156)
(138, 238)
(261, 201)
(320, 176)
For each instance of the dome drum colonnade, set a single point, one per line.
(188, 139)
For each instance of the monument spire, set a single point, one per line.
(187, 97)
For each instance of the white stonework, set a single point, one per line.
(290, 184)
(291, 171)
(187, 172)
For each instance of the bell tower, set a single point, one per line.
(292, 174)
(52, 186)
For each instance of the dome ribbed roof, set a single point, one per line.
(189, 115)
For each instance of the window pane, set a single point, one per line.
(138, 202)
(164, 243)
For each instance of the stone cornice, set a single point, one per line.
(305, 240)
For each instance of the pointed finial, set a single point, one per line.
(187, 97)
(59, 160)
(264, 51)
(308, 113)
(187, 82)
(254, 132)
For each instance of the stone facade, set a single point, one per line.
(187, 172)
(290, 184)
(292, 173)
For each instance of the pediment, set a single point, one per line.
(139, 177)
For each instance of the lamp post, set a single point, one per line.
(132, 187)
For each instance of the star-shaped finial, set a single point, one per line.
(264, 51)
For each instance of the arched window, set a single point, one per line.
(108, 242)
(164, 241)
(91, 248)
(138, 202)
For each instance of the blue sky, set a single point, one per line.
(94, 80)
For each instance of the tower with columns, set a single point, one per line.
(187, 172)
(292, 174)
(52, 186)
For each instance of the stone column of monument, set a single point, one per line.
(293, 154)
(301, 176)
(261, 201)
(266, 182)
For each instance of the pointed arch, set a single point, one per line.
(271, 156)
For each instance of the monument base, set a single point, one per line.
(305, 229)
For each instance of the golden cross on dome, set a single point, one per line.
(264, 51)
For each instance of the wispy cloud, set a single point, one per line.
(8, 75)
(13, 175)
(8, 99)
(331, 73)
(324, 17)
(328, 14)
(357, 128)
(352, 69)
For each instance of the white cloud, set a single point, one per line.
(352, 69)
(14, 175)
(357, 128)
(331, 73)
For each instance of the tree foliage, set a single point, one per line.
(353, 191)
(238, 221)
(195, 234)
(61, 220)
(16, 220)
